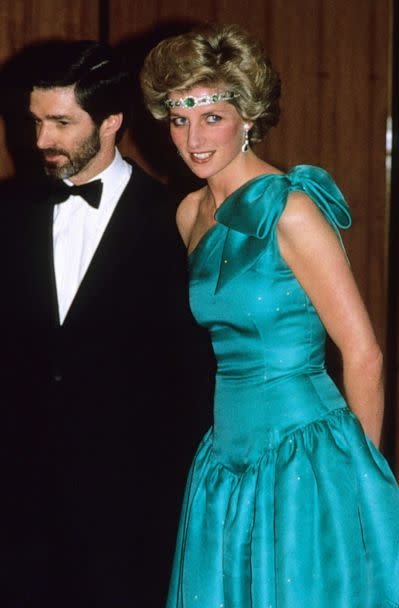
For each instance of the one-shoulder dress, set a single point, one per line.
(288, 504)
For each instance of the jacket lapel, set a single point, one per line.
(121, 237)
(37, 239)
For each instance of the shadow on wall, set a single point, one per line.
(14, 101)
(150, 137)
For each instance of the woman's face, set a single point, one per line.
(208, 137)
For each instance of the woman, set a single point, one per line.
(289, 503)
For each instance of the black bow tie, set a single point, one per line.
(91, 192)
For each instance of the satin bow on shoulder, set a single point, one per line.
(252, 212)
(91, 192)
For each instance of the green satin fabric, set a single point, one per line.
(288, 504)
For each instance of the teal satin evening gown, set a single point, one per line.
(288, 504)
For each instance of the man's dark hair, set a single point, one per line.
(102, 81)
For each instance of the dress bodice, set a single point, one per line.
(261, 321)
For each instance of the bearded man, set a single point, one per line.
(95, 372)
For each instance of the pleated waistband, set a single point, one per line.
(255, 417)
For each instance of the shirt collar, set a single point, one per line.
(110, 176)
(112, 172)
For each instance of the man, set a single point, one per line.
(96, 355)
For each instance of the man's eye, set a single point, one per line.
(64, 123)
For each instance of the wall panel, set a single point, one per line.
(332, 56)
(23, 22)
(333, 59)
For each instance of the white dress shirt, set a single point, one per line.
(78, 228)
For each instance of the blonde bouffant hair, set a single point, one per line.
(223, 56)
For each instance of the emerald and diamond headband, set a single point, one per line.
(203, 100)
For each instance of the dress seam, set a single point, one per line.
(332, 413)
(274, 536)
(187, 518)
(311, 329)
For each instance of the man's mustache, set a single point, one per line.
(54, 152)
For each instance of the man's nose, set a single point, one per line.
(44, 137)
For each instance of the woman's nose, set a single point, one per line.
(195, 137)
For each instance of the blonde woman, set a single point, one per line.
(289, 503)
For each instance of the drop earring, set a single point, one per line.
(245, 145)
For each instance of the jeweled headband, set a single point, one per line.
(203, 100)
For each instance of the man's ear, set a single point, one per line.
(111, 124)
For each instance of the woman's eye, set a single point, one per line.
(178, 121)
(213, 118)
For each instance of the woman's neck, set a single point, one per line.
(237, 173)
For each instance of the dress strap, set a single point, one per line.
(251, 214)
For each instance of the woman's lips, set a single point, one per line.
(201, 157)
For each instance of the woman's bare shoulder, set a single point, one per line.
(299, 212)
(187, 213)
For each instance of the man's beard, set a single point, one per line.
(76, 161)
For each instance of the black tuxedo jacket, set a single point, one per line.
(99, 419)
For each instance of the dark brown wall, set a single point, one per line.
(333, 57)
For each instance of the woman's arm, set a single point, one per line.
(310, 247)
